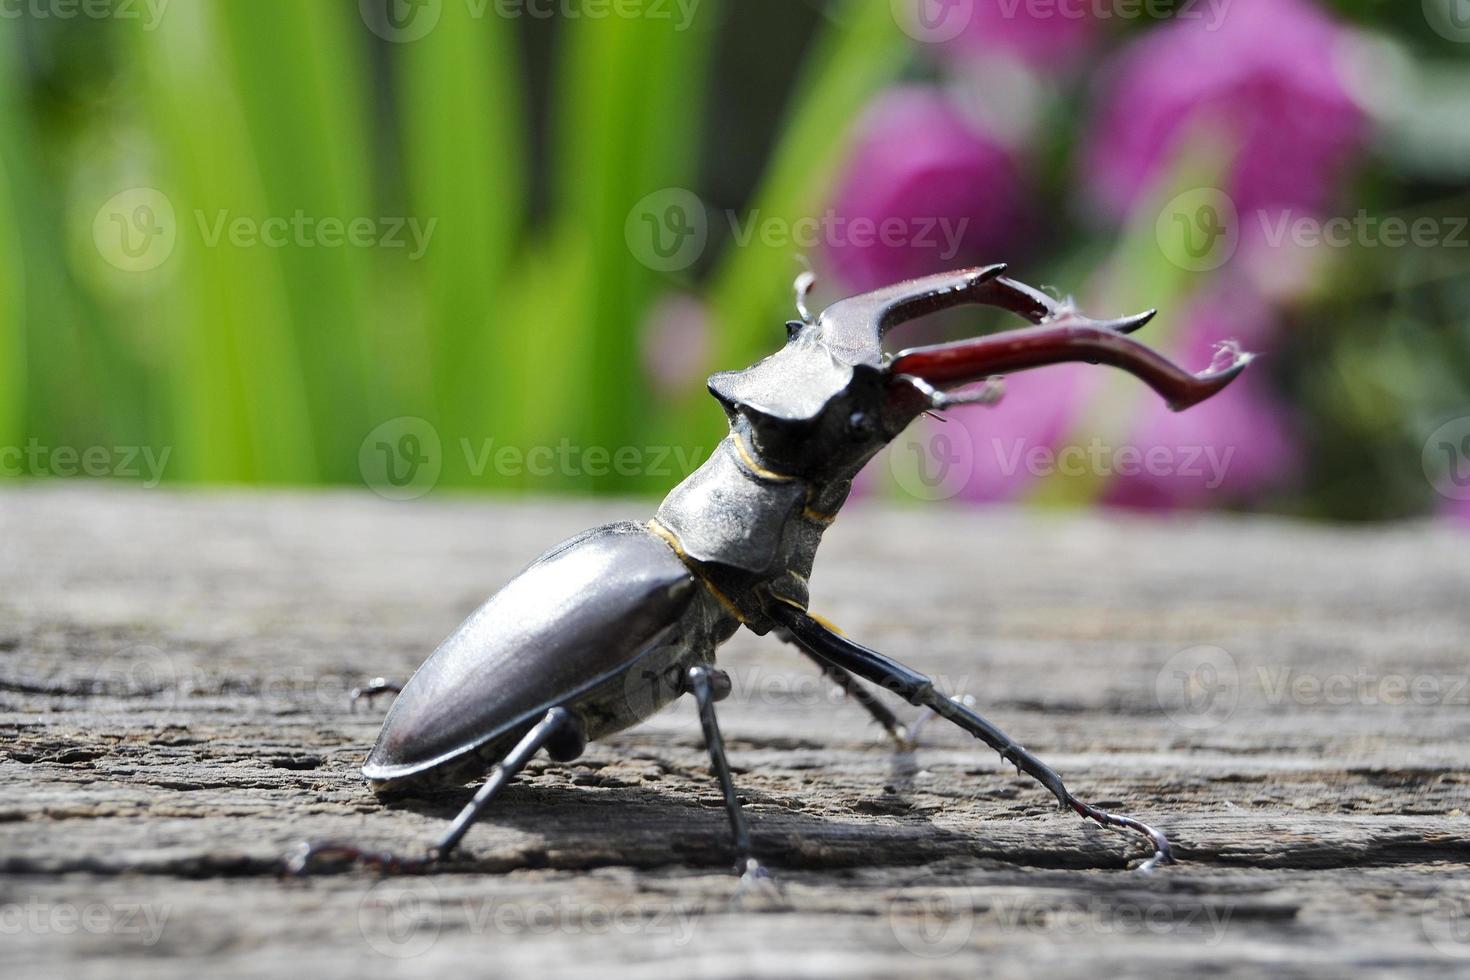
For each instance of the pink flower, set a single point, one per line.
(1457, 512)
(1015, 442)
(1232, 448)
(924, 190)
(676, 343)
(1042, 34)
(1268, 76)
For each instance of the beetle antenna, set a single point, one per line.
(803, 287)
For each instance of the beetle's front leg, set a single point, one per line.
(919, 690)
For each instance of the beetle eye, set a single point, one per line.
(793, 327)
(860, 427)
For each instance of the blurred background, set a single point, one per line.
(439, 246)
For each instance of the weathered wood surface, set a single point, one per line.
(173, 672)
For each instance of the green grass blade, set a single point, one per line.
(630, 104)
(861, 51)
(464, 145)
(300, 74)
(12, 323)
(238, 393)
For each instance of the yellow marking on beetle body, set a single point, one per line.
(824, 621)
(672, 540)
(817, 517)
(749, 460)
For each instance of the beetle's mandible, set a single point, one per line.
(605, 629)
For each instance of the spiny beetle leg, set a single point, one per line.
(919, 690)
(700, 682)
(559, 728)
(903, 736)
(371, 690)
(929, 714)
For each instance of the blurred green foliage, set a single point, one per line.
(522, 144)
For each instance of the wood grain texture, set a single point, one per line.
(1290, 703)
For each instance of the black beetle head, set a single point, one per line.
(811, 409)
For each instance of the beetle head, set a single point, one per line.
(831, 398)
(811, 409)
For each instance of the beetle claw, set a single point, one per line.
(298, 864)
(755, 880)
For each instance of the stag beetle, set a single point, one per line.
(560, 655)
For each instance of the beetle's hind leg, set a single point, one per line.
(559, 731)
(708, 686)
(371, 690)
(919, 690)
(903, 736)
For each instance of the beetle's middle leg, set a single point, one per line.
(919, 690)
(706, 686)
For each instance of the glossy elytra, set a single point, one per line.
(607, 628)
